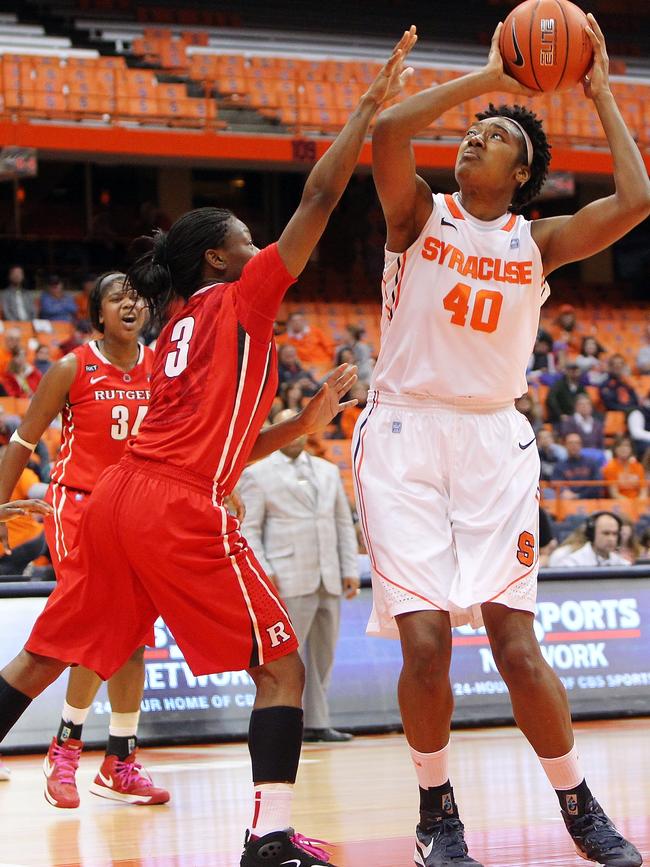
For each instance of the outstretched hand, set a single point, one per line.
(393, 75)
(15, 508)
(325, 404)
(596, 81)
(494, 69)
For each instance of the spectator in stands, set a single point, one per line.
(615, 392)
(560, 403)
(42, 358)
(18, 303)
(584, 422)
(629, 547)
(529, 406)
(624, 474)
(83, 297)
(590, 361)
(298, 524)
(81, 334)
(644, 546)
(291, 370)
(550, 453)
(593, 544)
(542, 366)
(55, 304)
(547, 541)
(638, 425)
(26, 537)
(362, 353)
(311, 344)
(576, 468)
(291, 396)
(20, 379)
(12, 342)
(643, 355)
(348, 418)
(566, 335)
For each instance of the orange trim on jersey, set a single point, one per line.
(454, 210)
(399, 285)
(407, 589)
(510, 223)
(521, 578)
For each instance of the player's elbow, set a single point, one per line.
(387, 128)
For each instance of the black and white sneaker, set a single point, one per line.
(440, 842)
(596, 838)
(283, 848)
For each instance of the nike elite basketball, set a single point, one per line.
(544, 44)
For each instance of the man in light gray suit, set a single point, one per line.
(299, 525)
(18, 303)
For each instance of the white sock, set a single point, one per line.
(124, 725)
(75, 715)
(272, 811)
(564, 773)
(432, 769)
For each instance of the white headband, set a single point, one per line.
(529, 144)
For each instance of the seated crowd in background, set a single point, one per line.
(576, 387)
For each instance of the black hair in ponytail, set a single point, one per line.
(169, 265)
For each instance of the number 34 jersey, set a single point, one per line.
(104, 409)
(460, 308)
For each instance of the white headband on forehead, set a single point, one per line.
(529, 144)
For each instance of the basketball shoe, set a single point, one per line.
(283, 847)
(596, 838)
(127, 781)
(60, 767)
(440, 835)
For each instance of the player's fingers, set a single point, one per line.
(495, 35)
(596, 27)
(348, 403)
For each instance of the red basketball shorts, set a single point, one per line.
(151, 543)
(62, 525)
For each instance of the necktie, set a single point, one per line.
(306, 481)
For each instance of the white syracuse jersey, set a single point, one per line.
(461, 309)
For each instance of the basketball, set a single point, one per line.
(544, 44)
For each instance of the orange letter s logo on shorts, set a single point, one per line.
(526, 548)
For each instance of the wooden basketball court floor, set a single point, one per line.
(361, 796)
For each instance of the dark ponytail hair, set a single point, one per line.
(101, 287)
(169, 265)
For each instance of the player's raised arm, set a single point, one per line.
(329, 177)
(405, 197)
(600, 223)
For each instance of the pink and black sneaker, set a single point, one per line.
(283, 847)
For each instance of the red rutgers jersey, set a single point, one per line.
(215, 375)
(105, 407)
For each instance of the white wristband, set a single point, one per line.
(16, 438)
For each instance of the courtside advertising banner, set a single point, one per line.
(595, 635)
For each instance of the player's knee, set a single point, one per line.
(518, 661)
(137, 656)
(426, 658)
(286, 673)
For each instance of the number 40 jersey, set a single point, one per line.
(461, 309)
(104, 409)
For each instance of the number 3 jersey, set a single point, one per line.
(104, 409)
(461, 308)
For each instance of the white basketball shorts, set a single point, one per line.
(448, 500)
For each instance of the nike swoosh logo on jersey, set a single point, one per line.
(527, 444)
(107, 781)
(519, 57)
(94, 379)
(447, 223)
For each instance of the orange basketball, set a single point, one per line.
(544, 44)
